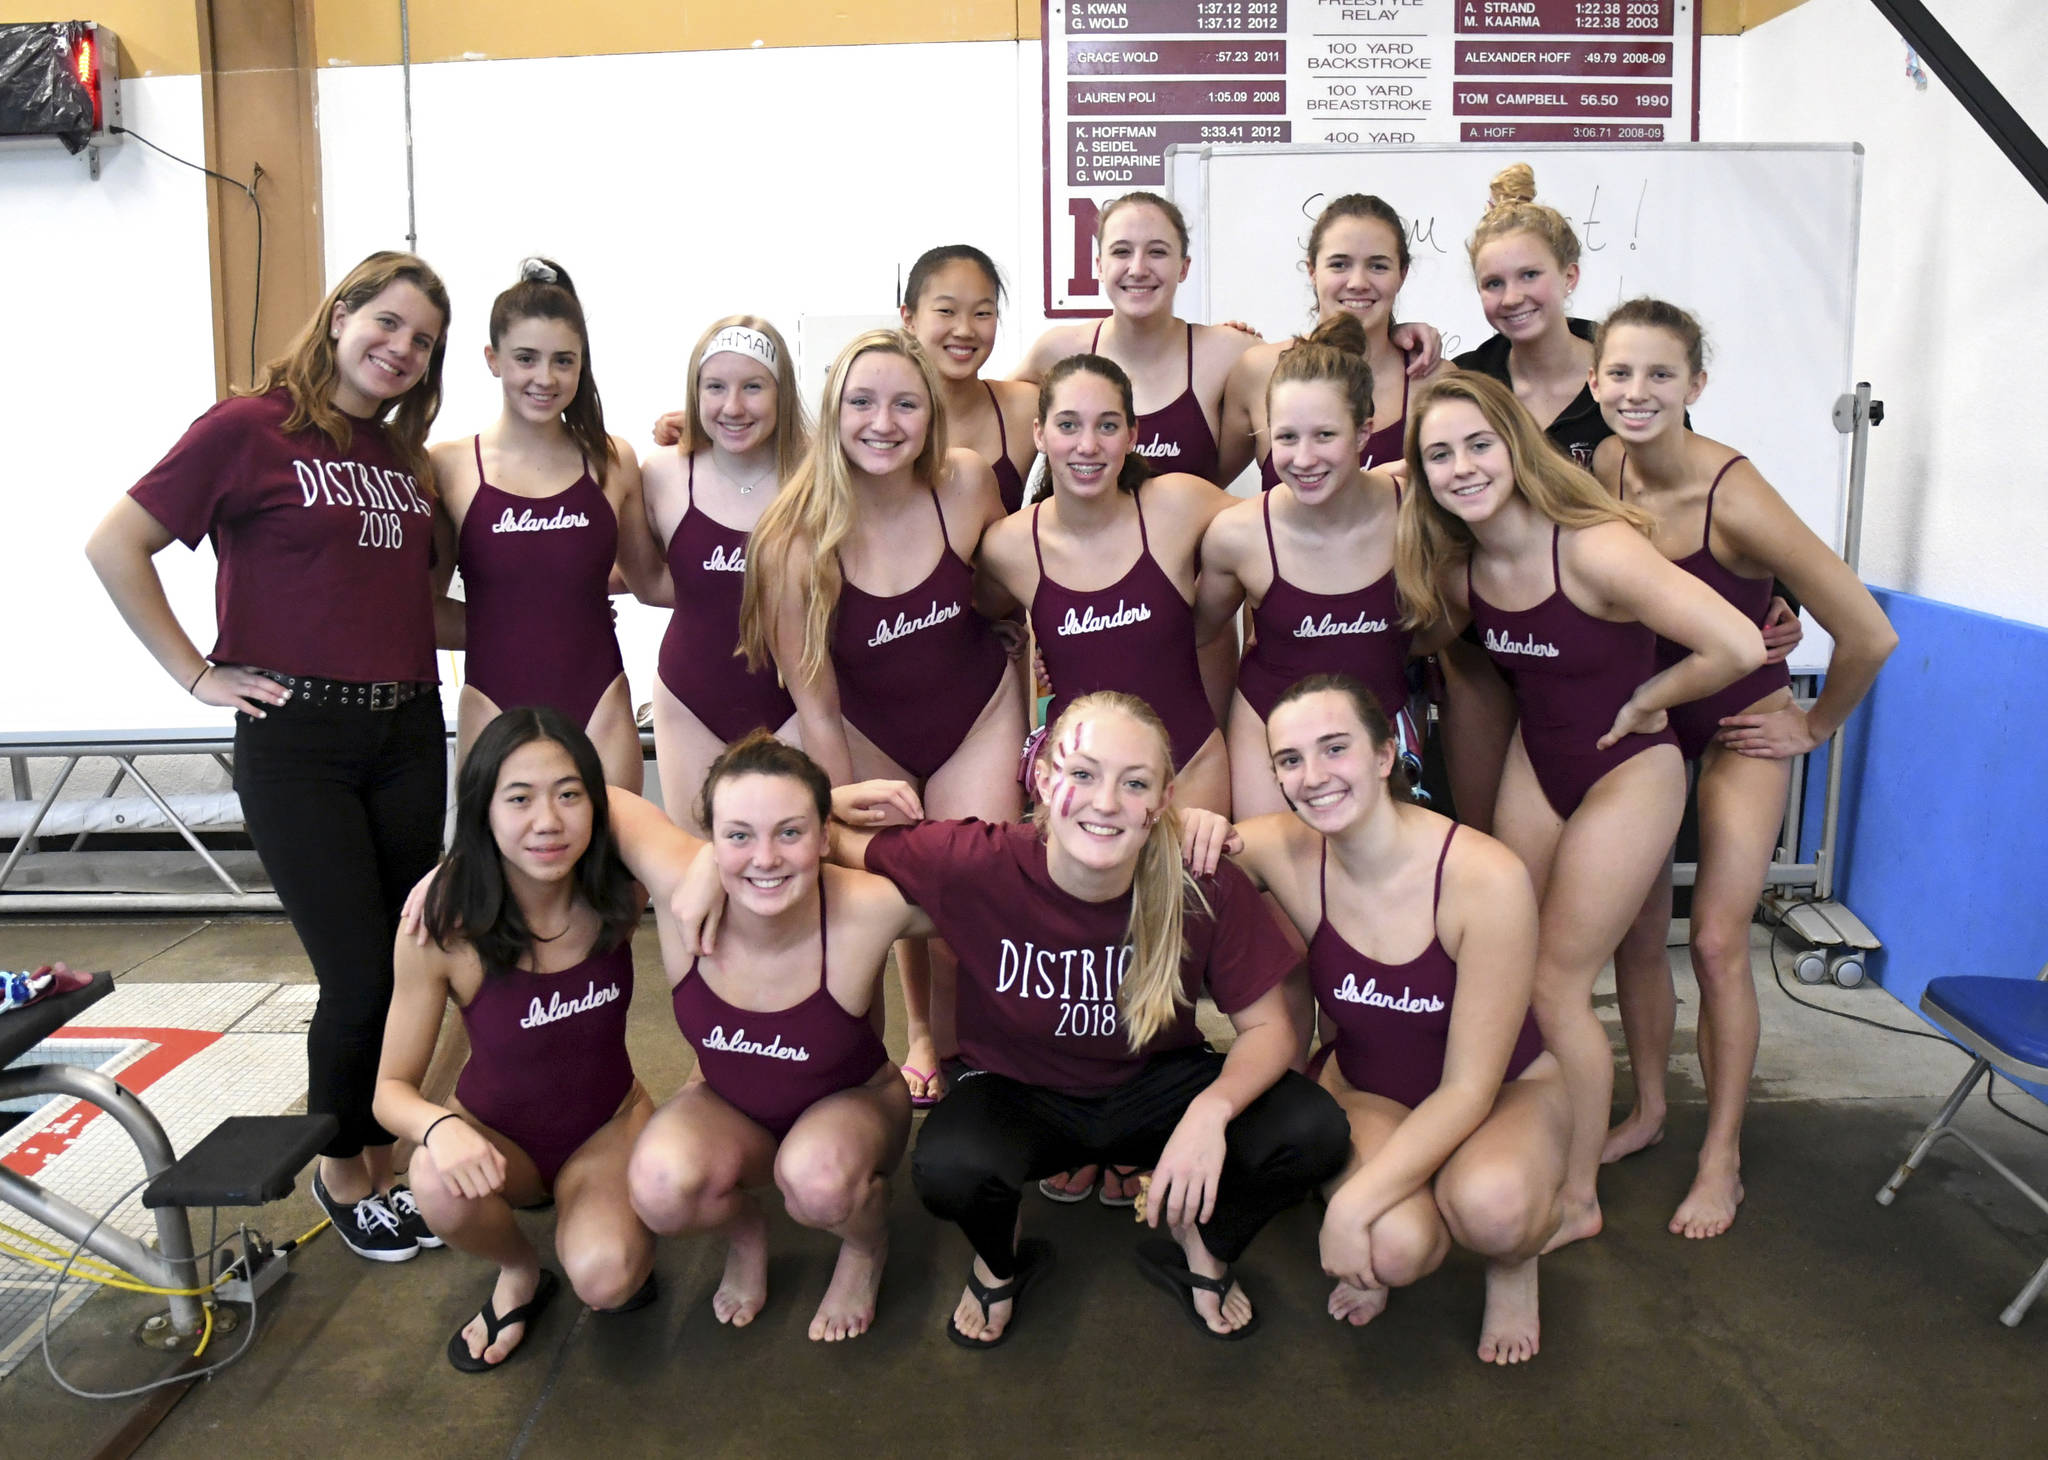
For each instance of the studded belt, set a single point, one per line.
(342, 694)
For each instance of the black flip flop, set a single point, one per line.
(1163, 1263)
(528, 1313)
(646, 1293)
(1035, 1257)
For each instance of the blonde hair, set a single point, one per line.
(307, 368)
(792, 426)
(814, 513)
(1430, 539)
(1511, 207)
(1151, 995)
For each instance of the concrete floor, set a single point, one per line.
(1822, 1325)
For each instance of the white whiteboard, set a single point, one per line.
(1759, 242)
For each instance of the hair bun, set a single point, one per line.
(1339, 331)
(1512, 185)
(537, 270)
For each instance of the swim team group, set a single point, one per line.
(1526, 554)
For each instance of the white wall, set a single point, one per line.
(109, 357)
(677, 188)
(1952, 282)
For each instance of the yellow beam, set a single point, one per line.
(1733, 17)
(158, 37)
(365, 32)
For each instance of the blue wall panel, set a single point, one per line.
(1944, 843)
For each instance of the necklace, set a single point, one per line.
(565, 928)
(747, 488)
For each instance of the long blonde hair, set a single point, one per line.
(792, 420)
(1151, 995)
(815, 510)
(1430, 539)
(308, 371)
(1511, 207)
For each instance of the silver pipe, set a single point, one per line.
(412, 232)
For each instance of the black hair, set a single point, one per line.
(1135, 467)
(933, 259)
(545, 291)
(469, 900)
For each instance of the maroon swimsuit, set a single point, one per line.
(1299, 633)
(1571, 674)
(1009, 481)
(1696, 722)
(1176, 437)
(547, 1054)
(1137, 635)
(773, 1065)
(916, 669)
(707, 563)
(535, 572)
(1393, 1020)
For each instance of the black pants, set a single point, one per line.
(992, 1134)
(345, 807)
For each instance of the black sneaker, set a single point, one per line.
(407, 1210)
(369, 1227)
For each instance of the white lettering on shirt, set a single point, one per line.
(1329, 628)
(1349, 992)
(1088, 621)
(721, 562)
(1499, 643)
(527, 522)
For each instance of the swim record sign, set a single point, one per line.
(1126, 79)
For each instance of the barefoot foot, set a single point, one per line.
(1509, 1332)
(1355, 1305)
(1709, 1208)
(1637, 1132)
(1577, 1220)
(849, 1305)
(745, 1287)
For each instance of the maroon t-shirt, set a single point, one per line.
(325, 556)
(1040, 968)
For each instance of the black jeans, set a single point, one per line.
(345, 807)
(992, 1134)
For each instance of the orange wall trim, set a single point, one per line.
(158, 37)
(359, 33)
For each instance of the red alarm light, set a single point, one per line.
(82, 65)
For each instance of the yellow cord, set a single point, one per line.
(206, 1334)
(90, 1270)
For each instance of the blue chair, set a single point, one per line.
(2004, 1022)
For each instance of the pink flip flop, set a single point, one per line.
(921, 1102)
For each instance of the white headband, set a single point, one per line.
(740, 340)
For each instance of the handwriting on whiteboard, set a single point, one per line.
(1591, 225)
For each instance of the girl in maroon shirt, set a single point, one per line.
(527, 925)
(544, 504)
(1718, 518)
(792, 1087)
(1502, 531)
(317, 496)
(1441, 1148)
(1083, 945)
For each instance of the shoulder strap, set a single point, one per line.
(1036, 550)
(1441, 858)
(1707, 527)
(1556, 577)
(1266, 508)
(822, 965)
(1323, 882)
(477, 442)
(1095, 339)
(1138, 501)
(690, 482)
(1002, 431)
(1621, 478)
(1191, 354)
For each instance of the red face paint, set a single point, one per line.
(1067, 804)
